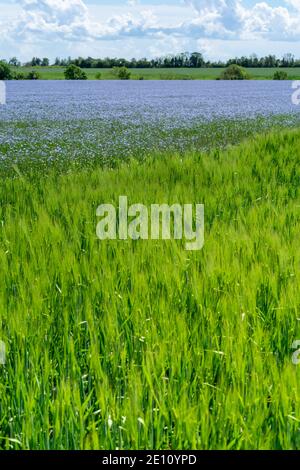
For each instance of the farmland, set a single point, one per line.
(138, 344)
(108, 348)
(57, 73)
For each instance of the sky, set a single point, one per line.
(220, 29)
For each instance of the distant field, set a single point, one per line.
(57, 73)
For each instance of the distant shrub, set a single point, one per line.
(141, 78)
(280, 75)
(234, 72)
(18, 76)
(98, 76)
(73, 72)
(5, 72)
(33, 75)
(122, 73)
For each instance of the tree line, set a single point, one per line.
(183, 60)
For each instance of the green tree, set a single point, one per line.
(196, 60)
(73, 72)
(122, 73)
(14, 62)
(234, 72)
(18, 76)
(288, 60)
(45, 62)
(33, 75)
(36, 61)
(5, 72)
(280, 75)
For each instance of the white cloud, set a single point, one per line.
(230, 19)
(73, 22)
(70, 20)
(47, 19)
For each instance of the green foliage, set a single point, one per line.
(5, 71)
(18, 76)
(73, 72)
(122, 73)
(98, 76)
(234, 72)
(280, 75)
(45, 62)
(140, 344)
(14, 62)
(180, 60)
(33, 75)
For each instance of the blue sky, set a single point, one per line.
(139, 28)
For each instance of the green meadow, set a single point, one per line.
(142, 344)
(57, 73)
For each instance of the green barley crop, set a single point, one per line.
(141, 344)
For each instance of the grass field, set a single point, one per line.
(57, 73)
(141, 344)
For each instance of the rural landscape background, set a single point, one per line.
(135, 344)
(183, 66)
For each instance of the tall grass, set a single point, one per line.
(141, 344)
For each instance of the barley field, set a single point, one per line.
(141, 344)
